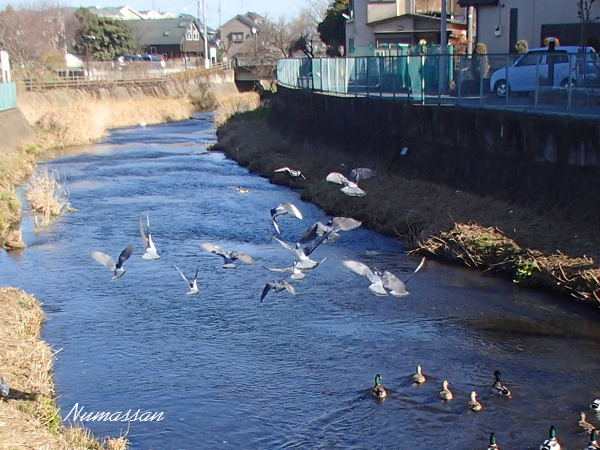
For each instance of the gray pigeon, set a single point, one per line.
(228, 257)
(108, 261)
(302, 252)
(4, 389)
(293, 173)
(283, 209)
(277, 286)
(334, 225)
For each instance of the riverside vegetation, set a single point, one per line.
(533, 250)
(29, 417)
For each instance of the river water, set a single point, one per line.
(292, 372)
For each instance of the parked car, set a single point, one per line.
(157, 60)
(132, 58)
(521, 76)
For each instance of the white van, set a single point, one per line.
(521, 76)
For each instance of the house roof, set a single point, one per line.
(160, 32)
(199, 24)
(113, 11)
(249, 19)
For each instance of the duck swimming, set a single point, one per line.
(446, 393)
(551, 443)
(378, 391)
(474, 404)
(418, 377)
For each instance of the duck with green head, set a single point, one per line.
(551, 443)
(498, 388)
(593, 445)
(378, 391)
(493, 445)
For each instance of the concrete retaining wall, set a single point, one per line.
(14, 130)
(549, 163)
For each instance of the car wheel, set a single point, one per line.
(501, 88)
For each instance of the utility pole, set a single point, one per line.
(470, 30)
(206, 58)
(442, 84)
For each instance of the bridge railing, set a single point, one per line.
(482, 81)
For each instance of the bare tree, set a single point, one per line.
(584, 12)
(33, 35)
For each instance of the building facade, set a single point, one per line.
(502, 23)
(378, 24)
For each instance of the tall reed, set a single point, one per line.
(46, 195)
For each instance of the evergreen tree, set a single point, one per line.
(332, 30)
(103, 37)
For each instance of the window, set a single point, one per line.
(529, 59)
(166, 33)
(236, 37)
(182, 24)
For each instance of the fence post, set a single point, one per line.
(482, 72)
(536, 94)
(393, 77)
(569, 84)
(422, 80)
(507, 88)
(459, 78)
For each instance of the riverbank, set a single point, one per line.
(29, 418)
(434, 220)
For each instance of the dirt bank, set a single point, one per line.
(533, 250)
(29, 418)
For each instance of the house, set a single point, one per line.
(117, 12)
(152, 14)
(240, 32)
(501, 24)
(172, 38)
(380, 24)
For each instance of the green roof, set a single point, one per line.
(159, 31)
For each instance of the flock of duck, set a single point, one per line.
(379, 392)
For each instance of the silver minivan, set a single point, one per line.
(533, 66)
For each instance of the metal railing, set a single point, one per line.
(563, 84)
(113, 73)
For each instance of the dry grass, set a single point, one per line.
(433, 219)
(29, 418)
(232, 104)
(46, 195)
(76, 118)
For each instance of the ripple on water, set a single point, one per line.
(293, 371)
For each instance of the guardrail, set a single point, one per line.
(563, 84)
(109, 74)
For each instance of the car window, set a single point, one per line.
(529, 59)
(559, 56)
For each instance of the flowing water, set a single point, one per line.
(228, 371)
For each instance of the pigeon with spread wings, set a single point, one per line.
(108, 261)
(228, 257)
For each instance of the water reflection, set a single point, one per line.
(294, 371)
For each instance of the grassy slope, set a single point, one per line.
(432, 219)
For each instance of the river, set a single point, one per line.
(292, 372)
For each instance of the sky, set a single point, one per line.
(229, 8)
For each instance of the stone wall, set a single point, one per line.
(549, 163)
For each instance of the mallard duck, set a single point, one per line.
(595, 405)
(474, 405)
(593, 445)
(551, 443)
(587, 427)
(498, 388)
(445, 393)
(378, 391)
(418, 377)
(493, 445)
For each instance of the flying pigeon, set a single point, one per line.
(283, 209)
(228, 257)
(108, 261)
(277, 286)
(150, 250)
(193, 287)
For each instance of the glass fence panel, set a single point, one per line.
(542, 82)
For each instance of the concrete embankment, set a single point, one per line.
(433, 218)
